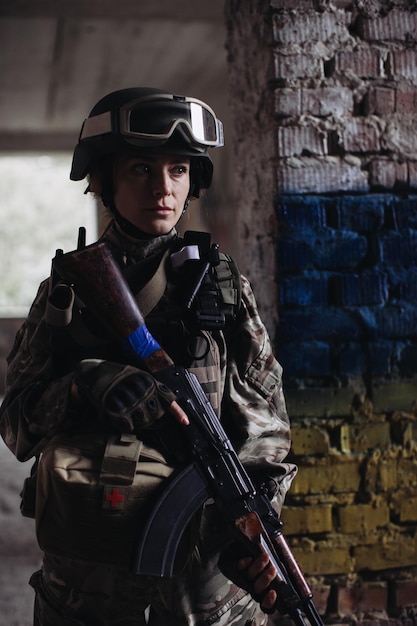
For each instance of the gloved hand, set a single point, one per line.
(254, 575)
(127, 398)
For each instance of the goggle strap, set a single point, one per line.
(97, 125)
(220, 134)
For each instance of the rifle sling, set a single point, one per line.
(147, 299)
(151, 293)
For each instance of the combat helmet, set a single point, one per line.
(152, 119)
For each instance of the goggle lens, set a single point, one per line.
(158, 119)
(202, 122)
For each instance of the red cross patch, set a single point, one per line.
(114, 498)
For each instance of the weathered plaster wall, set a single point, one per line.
(255, 226)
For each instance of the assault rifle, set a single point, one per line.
(214, 470)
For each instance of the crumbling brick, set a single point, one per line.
(386, 554)
(395, 26)
(331, 477)
(362, 437)
(380, 101)
(367, 596)
(362, 518)
(298, 140)
(309, 441)
(403, 593)
(307, 520)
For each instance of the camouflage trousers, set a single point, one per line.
(78, 593)
(69, 593)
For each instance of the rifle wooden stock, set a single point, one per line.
(99, 283)
(214, 468)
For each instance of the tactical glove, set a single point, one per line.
(127, 398)
(228, 565)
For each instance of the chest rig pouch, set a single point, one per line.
(201, 300)
(208, 281)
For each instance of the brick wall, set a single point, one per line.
(325, 99)
(347, 287)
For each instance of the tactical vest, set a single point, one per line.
(188, 309)
(93, 489)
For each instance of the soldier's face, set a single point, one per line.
(150, 190)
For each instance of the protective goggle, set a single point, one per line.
(154, 118)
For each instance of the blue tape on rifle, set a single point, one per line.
(142, 343)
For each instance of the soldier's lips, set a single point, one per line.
(161, 210)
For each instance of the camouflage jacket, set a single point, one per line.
(249, 383)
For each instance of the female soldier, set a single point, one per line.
(93, 418)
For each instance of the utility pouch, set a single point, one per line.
(93, 493)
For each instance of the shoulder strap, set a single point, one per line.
(147, 298)
(151, 293)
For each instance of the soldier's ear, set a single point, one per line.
(95, 183)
